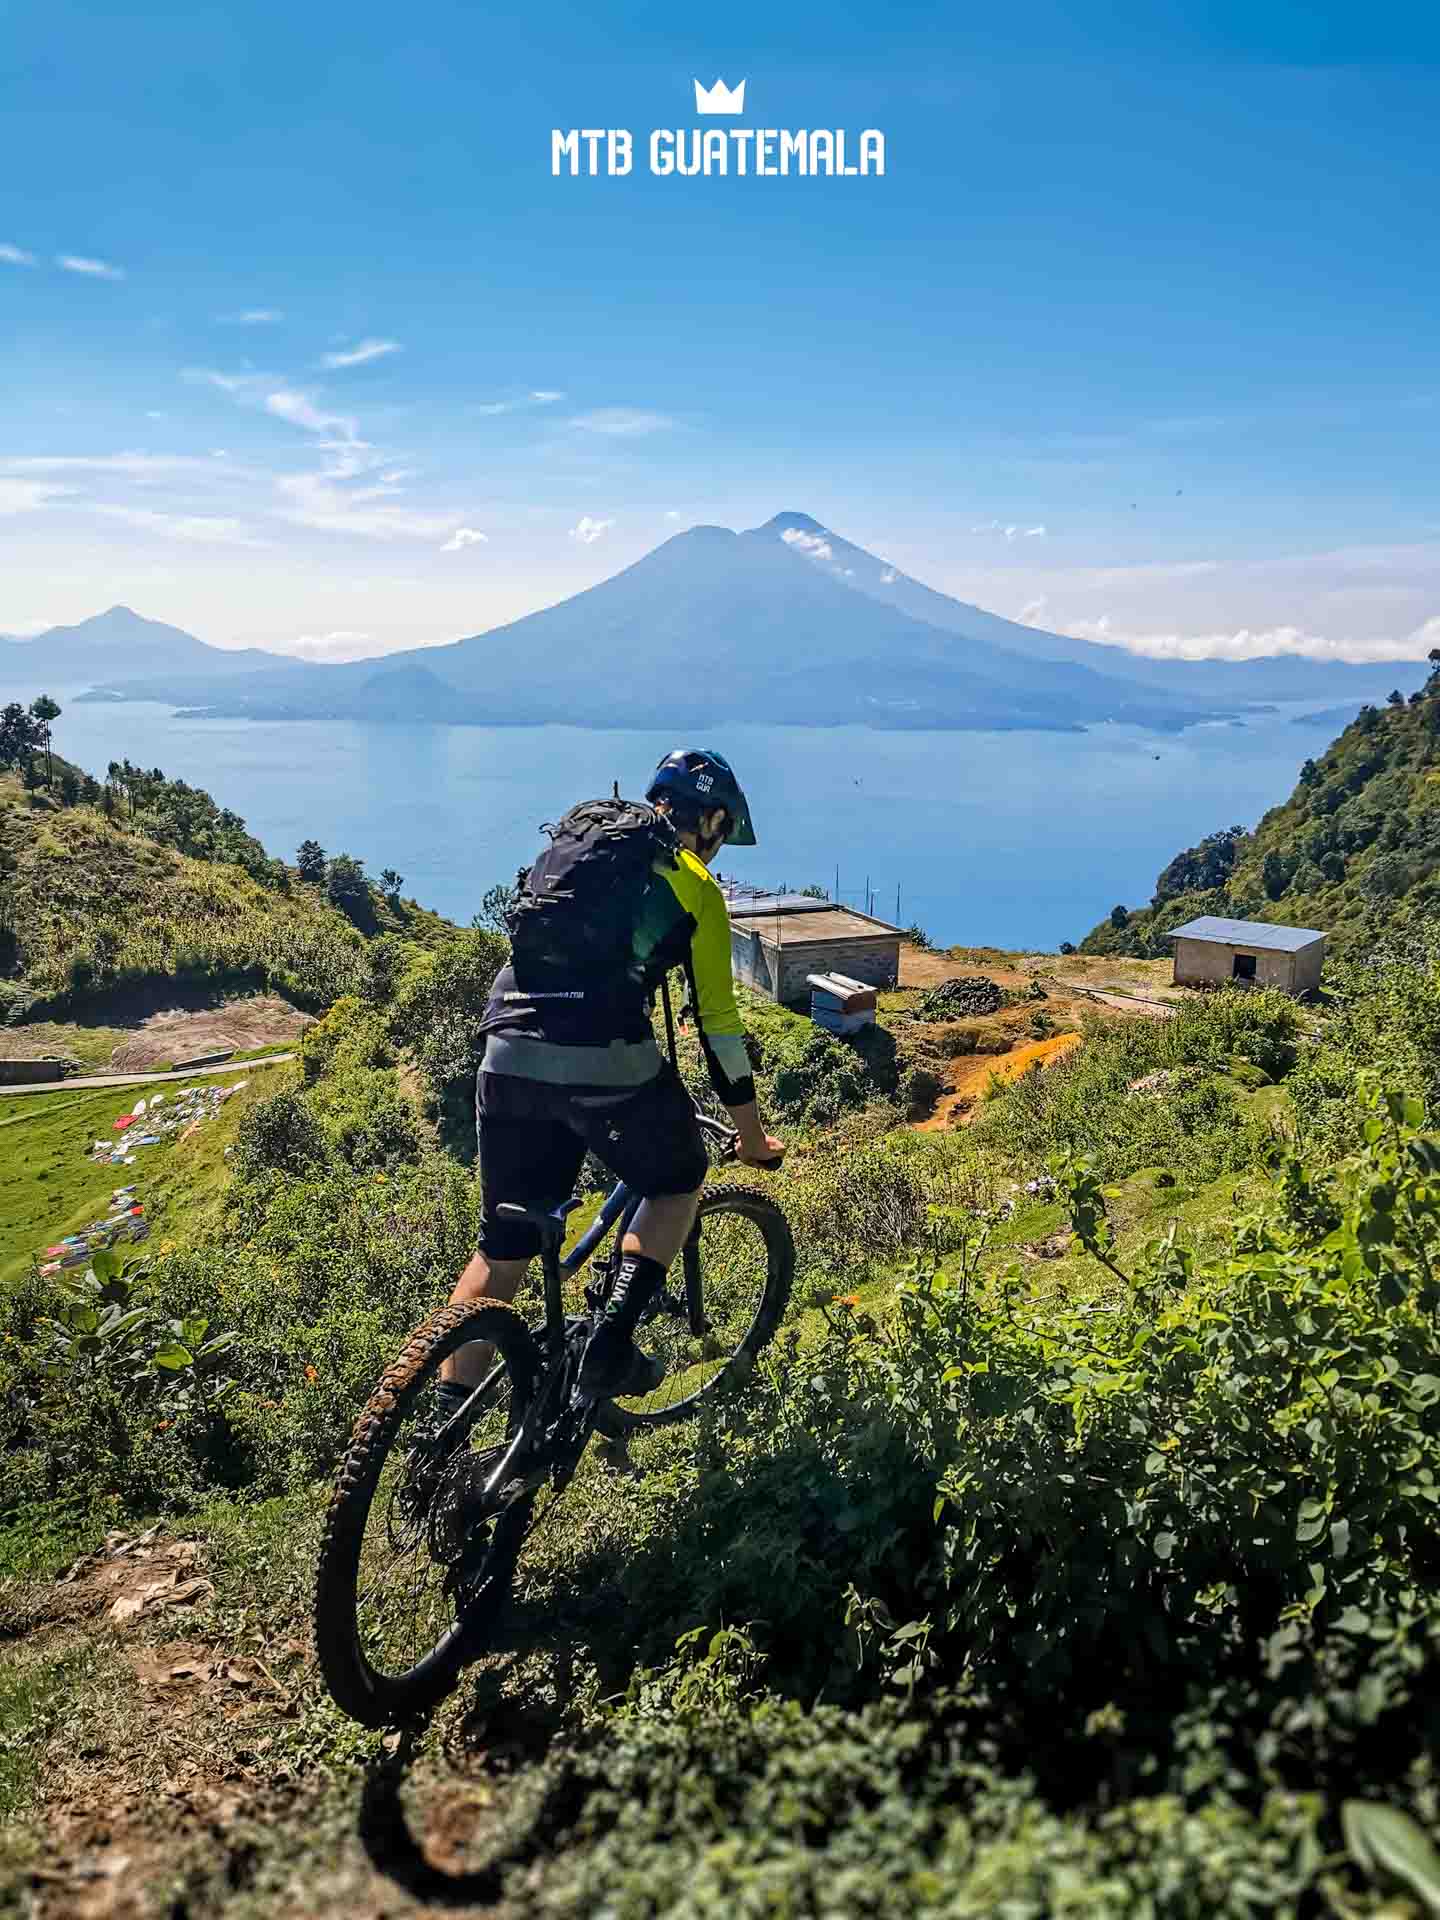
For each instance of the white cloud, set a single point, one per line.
(301, 411)
(546, 395)
(888, 577)
(216, 530)
(318, 500)
(1032, 612)
(588, 531)
(232, 383)
(672, 515)
(94, 269)
(328, 646)
(153, 413)
(358, 355)
(16, 256)
(251, 317)
(624, 422)
(28, 496)
(812, 544)
(464, 537)
(397, 474)
(1257, 644)
(136, 465)
(1012, 530)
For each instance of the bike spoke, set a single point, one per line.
(405, 1603)
(734, 1264)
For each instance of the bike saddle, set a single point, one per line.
(550, 1226)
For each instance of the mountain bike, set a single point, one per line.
(426, 1528)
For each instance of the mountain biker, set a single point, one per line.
(563, 1072)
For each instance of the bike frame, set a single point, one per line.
(621, 1204)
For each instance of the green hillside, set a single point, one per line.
(1072, 1551)
(150, 882)
(1354, 851)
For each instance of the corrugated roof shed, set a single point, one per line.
(742, 906)
(1246, 933)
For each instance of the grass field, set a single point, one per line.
(50, 1187)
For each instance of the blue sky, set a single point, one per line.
(336, 364)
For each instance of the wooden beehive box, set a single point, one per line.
(840, 1004)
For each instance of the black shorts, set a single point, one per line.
(533, 1137)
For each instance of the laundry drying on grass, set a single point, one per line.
(123, 1224)
(160, 1117)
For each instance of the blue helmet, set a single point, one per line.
(698, 780)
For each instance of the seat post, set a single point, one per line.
(554, 1301)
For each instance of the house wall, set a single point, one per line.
(874, 962)
(1211, 963)
(781, 972)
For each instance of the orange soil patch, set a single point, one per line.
(971, 1075)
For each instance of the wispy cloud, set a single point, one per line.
(541, 397)
(238, 385)
(15, 256)
(588, 531)
(214, 530)
(624, 422)
(251, 317)
(358, 355)
(1246, 643)
(888, 577)
(1012, 530)
(812, 544)
(301, 411)
(28, 496)
(465, 537)
(134, 465)
(340, 645)
(94, 269)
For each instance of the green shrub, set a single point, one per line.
(436, 1017)
(280, 1134)
(1203, 1518)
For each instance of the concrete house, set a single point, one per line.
(1214, 952)
(778, 940)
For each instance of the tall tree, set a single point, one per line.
(19, 735)
(310, 861)
(43, 711)
(391, 883)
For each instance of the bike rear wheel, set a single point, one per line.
(740, 1264)
(408, 1570)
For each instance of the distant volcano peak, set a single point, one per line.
(782, 523)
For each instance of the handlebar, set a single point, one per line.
(727, 1139)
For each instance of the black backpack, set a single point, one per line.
(576, 911)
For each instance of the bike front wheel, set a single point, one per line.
(409, 1561)
(723, 1300)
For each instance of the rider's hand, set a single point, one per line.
(763, 1151)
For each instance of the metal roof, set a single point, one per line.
(1246, 933)
(742, 905)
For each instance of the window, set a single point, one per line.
(1244, 968)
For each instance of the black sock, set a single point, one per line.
(640, 1279)
(450, 1396)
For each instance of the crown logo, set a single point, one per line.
(719, 98)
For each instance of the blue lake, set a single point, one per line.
(1011, 839)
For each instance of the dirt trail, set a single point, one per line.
(971, 1075)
